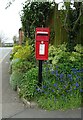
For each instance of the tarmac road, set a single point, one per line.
(12, 106)
(10, 101)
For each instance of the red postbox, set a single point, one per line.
(41, 44)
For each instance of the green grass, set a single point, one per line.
(60, 104)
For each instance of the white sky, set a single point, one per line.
(10, 19)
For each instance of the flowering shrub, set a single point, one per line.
(22, 58)
(15, 49)
(23, 53)
(62, 80)
(79, 48)
(60, 55)
(62, 86)
(21, 62)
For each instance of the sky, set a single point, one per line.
(10, 21)
(10, 18)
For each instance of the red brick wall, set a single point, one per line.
(21, 35)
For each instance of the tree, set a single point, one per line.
(2, 38)
(35, 14)
(15, 39)
(9, 4)
(71, 20)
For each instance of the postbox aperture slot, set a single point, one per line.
(42, 33)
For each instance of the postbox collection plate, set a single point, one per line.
(42, 49)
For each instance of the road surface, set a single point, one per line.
(10, 101)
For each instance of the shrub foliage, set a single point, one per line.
(62, 78)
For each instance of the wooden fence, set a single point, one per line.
(60, 34)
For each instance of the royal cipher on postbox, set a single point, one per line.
(42, 36)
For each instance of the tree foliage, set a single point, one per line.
(9, 3)
(71, 20)
(15, 39)
(35, 14)
(3, 38)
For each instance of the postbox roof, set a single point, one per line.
(40, 29)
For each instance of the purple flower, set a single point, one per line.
(52, 72)
(55, 85)
(78, 77)
(81, 70)
(74, 70)
(77, 85)
(44, 86)
(52, 90)
(78, 71)
(81, 90)
(64, 86)
(57, 73)
(38, 89)
(69, 75)
(61, 75)
(56, 66)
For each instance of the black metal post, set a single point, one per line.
(40, 73)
